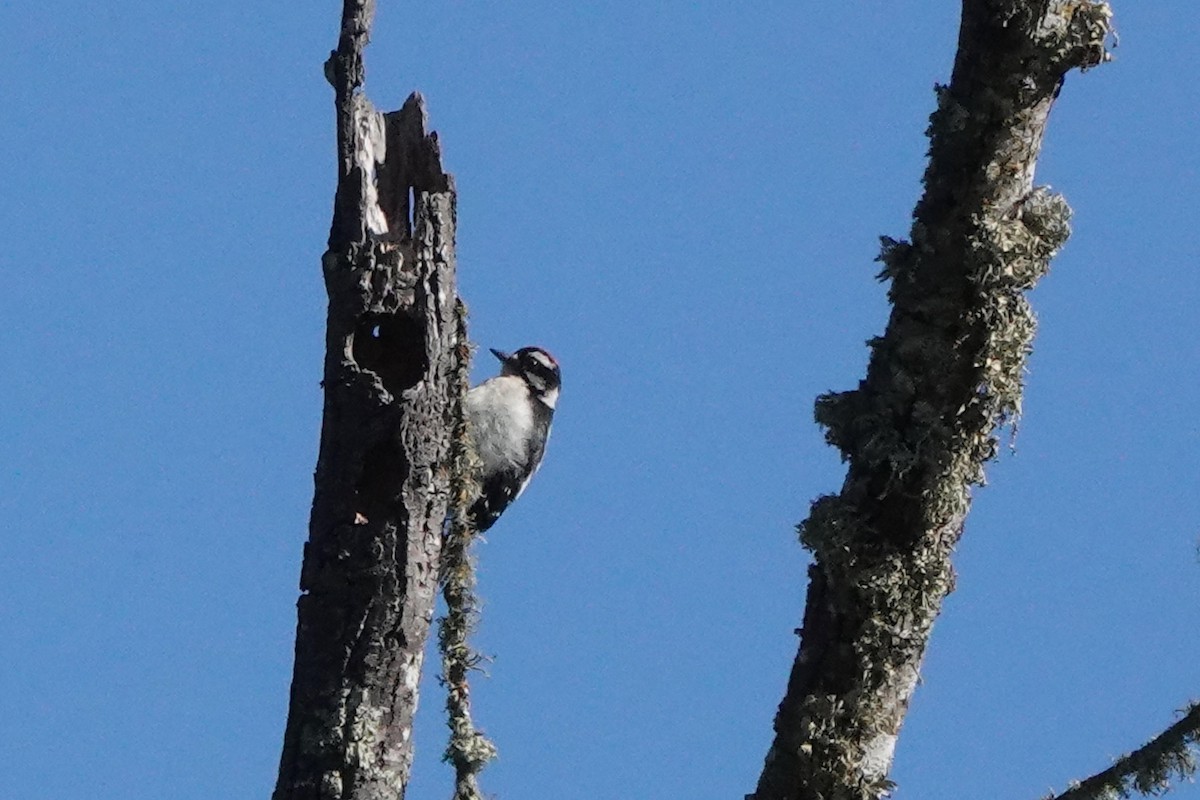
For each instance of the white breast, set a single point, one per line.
(502, 421)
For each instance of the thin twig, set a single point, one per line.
(1150, 768)
(469, 750)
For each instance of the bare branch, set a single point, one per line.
(1150, 768)
(947, 371)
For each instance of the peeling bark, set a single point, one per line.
(947, 371)
(382, 482)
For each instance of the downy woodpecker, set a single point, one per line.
(510, 418)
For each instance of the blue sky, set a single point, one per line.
(682, 202)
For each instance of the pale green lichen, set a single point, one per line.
(1173, 755)
(468, 749)
(944, 379)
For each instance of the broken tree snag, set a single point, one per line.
(946, 372)
(382, 481)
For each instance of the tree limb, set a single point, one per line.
(382, 481)
(1150, 768)
(947, 371)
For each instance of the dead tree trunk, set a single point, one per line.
(947, 371)
(392, 384)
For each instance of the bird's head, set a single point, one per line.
(537, 368)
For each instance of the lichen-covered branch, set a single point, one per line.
(944, 375)
(1149, 770)
(468, 750)
(382, 484)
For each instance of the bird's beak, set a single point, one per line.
(500, 354)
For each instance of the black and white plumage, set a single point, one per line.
(510, 418)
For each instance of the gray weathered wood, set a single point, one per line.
(382, 481)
